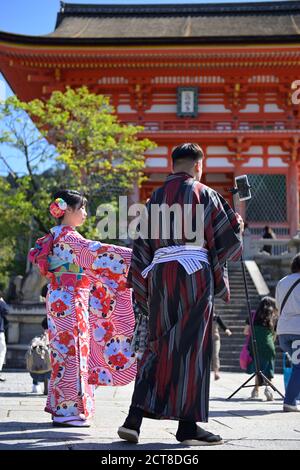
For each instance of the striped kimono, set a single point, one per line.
(173, 374)
(90, 319)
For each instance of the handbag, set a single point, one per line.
(245, 357)
(140, 337)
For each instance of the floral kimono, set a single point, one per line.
(90, 318)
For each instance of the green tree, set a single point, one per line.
(105, 156)
(77, 135)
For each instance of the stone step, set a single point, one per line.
(241, 298)
(239, 313)
(237, 341)
(233, 318)
(239, 285)
(231, 368)
(236, 327)
(234, 346)
(237, 308)
(241, 292)
(238, 303)
(239, 275)
(232, 306)
(234, 315)
(239, 288)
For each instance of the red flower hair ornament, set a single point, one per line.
(58, 208)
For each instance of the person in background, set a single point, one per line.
(288, 329)
(265, 322)
(3, 328)
(268, 234)
(38, 360)
(218, 322)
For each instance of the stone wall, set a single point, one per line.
(273, 269)
(24, 323)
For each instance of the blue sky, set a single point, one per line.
(38, 17)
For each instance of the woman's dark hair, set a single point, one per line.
(1, 290)
(187, 152)
(73, 198)
(295, 266)
(45, 323)
(266, 314)
(269, 231)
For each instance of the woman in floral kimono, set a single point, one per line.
(89, 310)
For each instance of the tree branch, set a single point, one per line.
(34, 184)
(11, 171)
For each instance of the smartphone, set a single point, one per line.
(243, 187)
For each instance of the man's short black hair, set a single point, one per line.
(295, 268)
(187, 152)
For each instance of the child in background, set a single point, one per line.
(38, 360)
(265, 322)
(218, 322)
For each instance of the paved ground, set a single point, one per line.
(244, 424)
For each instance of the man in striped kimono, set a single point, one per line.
(175, 278)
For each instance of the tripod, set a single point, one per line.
(261, 378)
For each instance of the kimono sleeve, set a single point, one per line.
(111, 267)
(84, 252)
(106, 263)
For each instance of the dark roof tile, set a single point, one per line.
(254, 19)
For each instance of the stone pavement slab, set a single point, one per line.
(243, 423)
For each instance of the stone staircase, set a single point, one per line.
(234, 315)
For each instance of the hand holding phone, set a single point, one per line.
(240, 221)
(243, 187)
